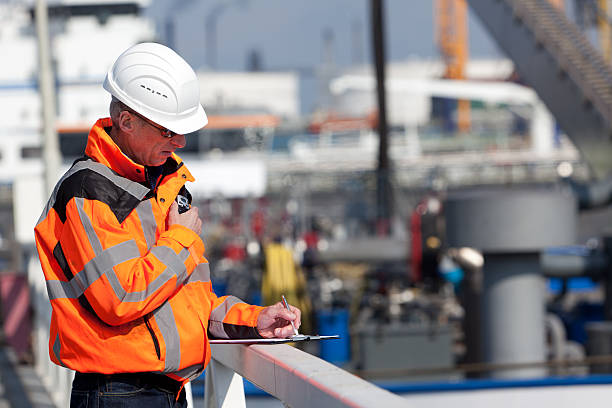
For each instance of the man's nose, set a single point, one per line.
(179, 141)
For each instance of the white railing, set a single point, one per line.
(298, 379)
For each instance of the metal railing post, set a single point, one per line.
(223, 388)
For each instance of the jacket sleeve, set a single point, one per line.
(118, 275)
(231, 318)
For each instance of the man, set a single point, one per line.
(121, 250)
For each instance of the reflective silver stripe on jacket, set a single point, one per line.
(201, 273)
(164, 317)
(147, 222)
(190, 373)
(103, 264)
(57, 347)
(215, 323)
(61, 290)
(175, 264)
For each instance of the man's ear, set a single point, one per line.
(126, 122)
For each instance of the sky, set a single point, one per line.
(289, 34)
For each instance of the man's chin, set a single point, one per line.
(162, 159)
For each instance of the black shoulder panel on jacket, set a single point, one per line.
(94, 186)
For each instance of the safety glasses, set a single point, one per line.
(164, 132)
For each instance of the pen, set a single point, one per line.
(291, 321)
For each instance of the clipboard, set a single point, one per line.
(299, 337)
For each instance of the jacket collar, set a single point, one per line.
(103, 149)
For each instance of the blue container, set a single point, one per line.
(255, 298)
(330, 322)
(219, 287)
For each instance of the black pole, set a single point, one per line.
(383, 186)
(607, 244)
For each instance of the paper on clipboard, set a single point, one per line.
(299, 337)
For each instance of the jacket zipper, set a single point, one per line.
(154, 337)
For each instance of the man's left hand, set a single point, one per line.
(275, 321)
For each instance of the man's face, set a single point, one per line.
(147, 146)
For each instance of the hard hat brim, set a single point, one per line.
(186, 125)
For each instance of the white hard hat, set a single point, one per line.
(156, 82)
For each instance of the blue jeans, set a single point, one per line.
(125, 391)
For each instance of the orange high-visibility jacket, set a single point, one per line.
(129, 293)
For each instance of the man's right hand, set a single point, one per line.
(189, 218)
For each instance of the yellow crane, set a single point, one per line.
(452, 40)
(603, 29)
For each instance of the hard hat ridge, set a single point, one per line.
(156, 82)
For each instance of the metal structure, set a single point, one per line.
(603, 28)
(511, 227)
(573, 261)
(594, 261)
(567, 72)
(594, 13)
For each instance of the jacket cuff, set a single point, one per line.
(187, 238)
(255, 334)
